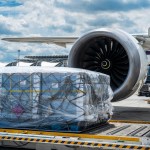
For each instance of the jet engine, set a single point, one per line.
(113, 52)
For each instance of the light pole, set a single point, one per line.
(18, 57)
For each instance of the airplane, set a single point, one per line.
(111, 51)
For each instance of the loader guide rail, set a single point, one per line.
(73, 142)
(111, 138)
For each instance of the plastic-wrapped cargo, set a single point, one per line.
(56, 99)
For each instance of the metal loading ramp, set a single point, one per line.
(115, 135)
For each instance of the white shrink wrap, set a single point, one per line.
(55, 99)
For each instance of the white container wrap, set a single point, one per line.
(57, 99)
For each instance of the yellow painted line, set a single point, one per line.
(47, 141)
(87, 144)
(91, 136)
(34, 140)
(66, 142)
(60, 141)
(114, 145)
(99, 145)
(53, 141)
(135, 147)
(92, 144)
(106, 145)
(38, 91)
(79, 143)
(120, 146)
(5, 138)
(128, 147)
(11, 138)
(72, 142)
(40, 140)
(17, 138)
(28, 139)
(129, 121)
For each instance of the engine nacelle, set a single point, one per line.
(113, 52)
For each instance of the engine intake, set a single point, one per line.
(113, 52)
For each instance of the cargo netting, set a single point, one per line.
(55, 99)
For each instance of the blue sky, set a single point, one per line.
(65, 18)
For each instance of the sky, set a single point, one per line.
(25, 18)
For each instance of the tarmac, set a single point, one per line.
(133, 108)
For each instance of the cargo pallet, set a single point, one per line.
(118, 134)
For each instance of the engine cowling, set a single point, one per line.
(113, 52)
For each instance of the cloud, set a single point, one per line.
(9, 13)
(4, 30)
(121, 21)
(89, 6)
(65, 18)
(9, 3)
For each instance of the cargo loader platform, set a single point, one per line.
(128, 129)
(118, 134)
